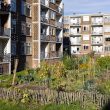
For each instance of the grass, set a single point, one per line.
(6, 105)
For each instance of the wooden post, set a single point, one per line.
(14, 71)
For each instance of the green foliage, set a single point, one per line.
(104, 62)
(5, 80)
(70, 63)
(5, 105)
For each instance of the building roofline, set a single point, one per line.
(94, 14)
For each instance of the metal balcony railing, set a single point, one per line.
(4, 6)
(97, 23)
(59, 24)
(47, 55)
(75, 33)
(58, 39)
(5, 31)
(45, 37)
(78, 42)
(60, 10)
(44, 19)
(5, 57)
(96, 42)
(97, 33)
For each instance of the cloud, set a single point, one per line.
(86, 6)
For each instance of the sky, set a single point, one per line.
(86, 6)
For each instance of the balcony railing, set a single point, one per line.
(44, 19)
(58, 39)
(75, 33)
(98, 51)
(59, 10)
(97, 33)
(97, 23)
(45, 2)
(44, 55)
(5, 57)
(59, 24)
(45, 37)
(96, 42)
(76, 24)
(4, 6)
(47, 55)
(5, 32)
(78, 42)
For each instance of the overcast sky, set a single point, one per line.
(86, 6)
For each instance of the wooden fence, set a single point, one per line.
(48, 96)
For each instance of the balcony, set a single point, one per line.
(50, 55)
(97, 50)
(97, 33)
(59, 24)
(59, 40)
(48, 38)
(45, 2)
(72, 34)
(78, 42)
(45, 55)
(4, 7)
(5, 58)
(44, 19)
(97, 23)
(94, 42)
(45, 37)
(5, 33)
(59, 9)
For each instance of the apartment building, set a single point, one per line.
(88, 33)
(31, 31)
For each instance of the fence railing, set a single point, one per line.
(47, 96)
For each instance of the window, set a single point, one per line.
(85, 18)
(107, 48)
(26, 9)
(13, 48)
(25, 48)
(86, 47)
(77, 49)
(107, 39)
(13, 26)
(52, 15)
(13, 5)
(77, 30)
(26, 29)
(86, 28)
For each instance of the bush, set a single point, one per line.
(104, 62)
